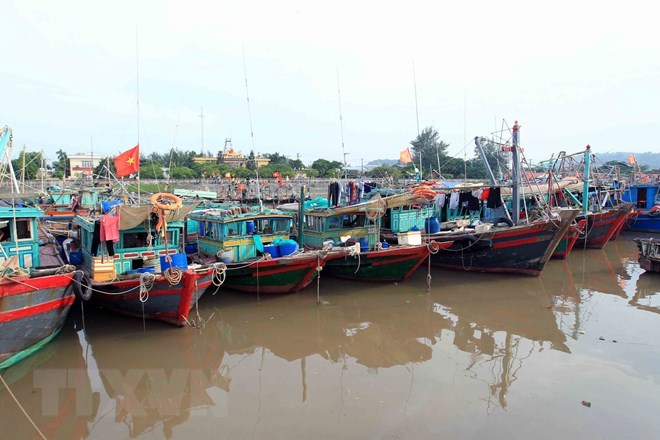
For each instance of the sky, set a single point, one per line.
(571, 72)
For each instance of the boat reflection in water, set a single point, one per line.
(54, 388)
(377, 360)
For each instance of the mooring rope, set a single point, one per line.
(41, 434)
(146, 284)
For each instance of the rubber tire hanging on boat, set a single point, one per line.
(82, 285)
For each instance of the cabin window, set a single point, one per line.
(314, 223)
(24, 229)
(273, 226)
(353, 221)
(335, 222)
(201, 229)
(134, 239)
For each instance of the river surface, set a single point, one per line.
(574, 353)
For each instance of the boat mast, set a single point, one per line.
(137, 83)
(585, 188)
(341, 126)
(483, 157)
(515, 173)
(247, 96)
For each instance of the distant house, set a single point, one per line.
(82, 164)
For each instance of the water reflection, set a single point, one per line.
(54, 388)
(260, 364)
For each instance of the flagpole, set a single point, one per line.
(137, 81)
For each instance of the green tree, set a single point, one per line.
(383, 171)
(61, 165)
(150, 169)
(251, 163)
(182, 173)
(430, 148)
(496, 159)
(32, 163)
(100, 171)
(327, 168)
(296, 164)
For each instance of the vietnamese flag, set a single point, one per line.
(405, 156)
(128, 162)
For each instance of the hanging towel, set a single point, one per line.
(109, 228)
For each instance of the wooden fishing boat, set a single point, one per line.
(569, 239)
(649, 254)
(521, 249)
(249, 243)
(128, 276)
(646, 198)
(34, 299)
(351, 237)
(602, 225)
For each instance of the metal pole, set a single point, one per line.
(585, 188)
(515, 173)
(483, 157)
(301, 216)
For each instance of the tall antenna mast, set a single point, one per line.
(201, 117)
(341, 126)
(247, 96)
(91, 147)
(416, 109)
(465, 134)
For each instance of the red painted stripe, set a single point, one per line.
(523, 231)
(284, 269)
(512, 243)
(35, 310)
(131, 255)
(21, 285)
(148, 253)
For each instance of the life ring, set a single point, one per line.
(82, 285)
(176, 201)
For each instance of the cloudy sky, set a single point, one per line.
(573, 73)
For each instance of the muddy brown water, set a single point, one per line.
(480, 356)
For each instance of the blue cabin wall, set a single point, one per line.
(27, 247)
(128, 258)
(632, 194)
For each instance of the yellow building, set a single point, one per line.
(233, 158)
(83, 164)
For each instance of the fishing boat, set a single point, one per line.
(351, 237)
(646, 198)
(569, 239)
(36, 287)
(508, 244)
(649, 254)
(143, 274)
(255, 246)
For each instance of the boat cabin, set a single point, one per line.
(323, 225)
(19, 235)
(237, 236)
(644, 196)
(130, 252)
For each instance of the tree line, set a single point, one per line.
(428, 151)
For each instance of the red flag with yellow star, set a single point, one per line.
(128, 162)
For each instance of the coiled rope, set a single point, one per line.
(218, 275)
(146, 284)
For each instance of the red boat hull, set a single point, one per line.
(32, 310)
(165, 302)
